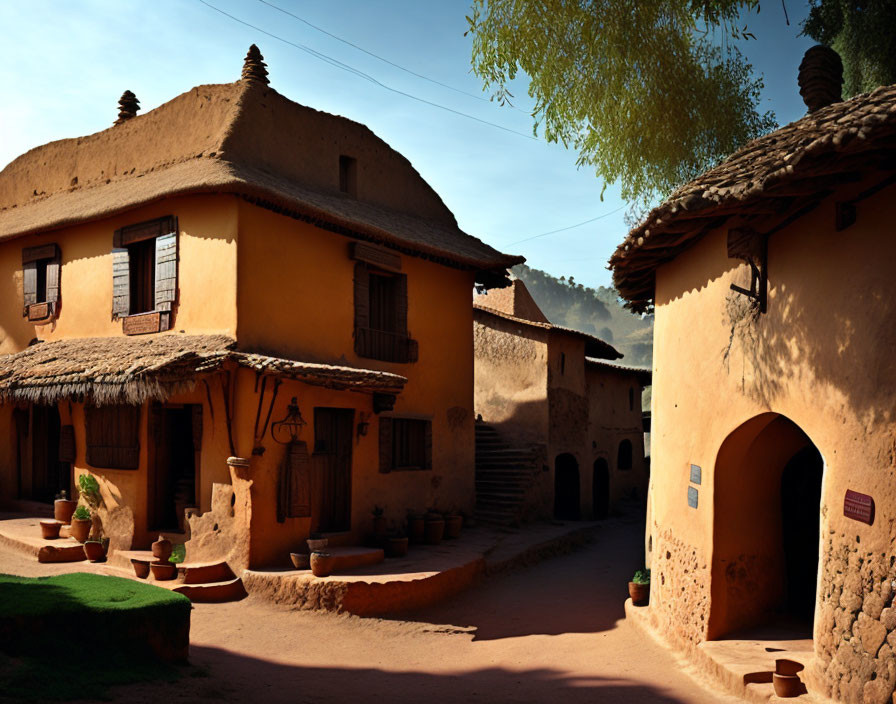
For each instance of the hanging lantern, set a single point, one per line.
(290, 428)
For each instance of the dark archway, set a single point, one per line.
(624, 455)
(566, 488)
(600, 489)
(766, 515)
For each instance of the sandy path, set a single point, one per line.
(552, 632)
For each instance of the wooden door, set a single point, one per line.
(333, 431)
(48, 475)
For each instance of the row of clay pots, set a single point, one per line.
(79, 530)
(161, 571)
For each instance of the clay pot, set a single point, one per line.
(163, 571)
(300, 560)
(434, 530)
(416, 529)
(784, 666)
(49, 528)
(161, 549)
(94, 550)
(322, 564)
(317, 544)
(63, 509)
(787, 686)
(141, 568)
(453, 524)
(640, 593)
(80, 529)
(397, 547)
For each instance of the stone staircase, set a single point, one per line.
(503, 475)
(206, 582)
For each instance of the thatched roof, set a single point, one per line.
(247, 140)
(642, 374)
(765, 185)
(134, 369)
(594, 347)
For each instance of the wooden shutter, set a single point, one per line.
(385, 444)
(121, 283)
(53, 267)
(29, 285)
(113, 436)
(362, 309)
(401, 305)
(294, 483)
(166, 276)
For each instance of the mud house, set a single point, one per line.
(235, 275)
(772, 486)
(561, 432)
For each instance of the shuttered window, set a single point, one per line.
(144, 275)
(381, 315)
(113, 436)
(40, 282)
(405, 444)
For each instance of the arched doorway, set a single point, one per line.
(566, 488)
(766, 514)
(600, 489)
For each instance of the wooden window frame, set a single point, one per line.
(165, 233)
(388, 427)
(114, 453)
(46, 258)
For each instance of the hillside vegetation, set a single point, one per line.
(595, 311)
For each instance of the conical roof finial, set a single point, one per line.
(254, 70)
(821, 77)
(128, 105)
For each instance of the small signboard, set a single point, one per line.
(142, 323)
(692, 497)
(859, 507)
(696, 474)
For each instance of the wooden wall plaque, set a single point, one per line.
(38, 311)
(859, 507)
(142, 324)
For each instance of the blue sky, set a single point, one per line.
(63, 66)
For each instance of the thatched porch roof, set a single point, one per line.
(133, 370)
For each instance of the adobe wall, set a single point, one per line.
(822, 357)
(206, 274)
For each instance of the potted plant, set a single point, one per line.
(322, 563)
(434, 528)
(95, 549)
(397, 545)
(89, 489)
(49, 528)
(639, 588)
(316, 542)
(416, 527)
(453, 523)
(379, 523)
(81, 523)
(64, 507)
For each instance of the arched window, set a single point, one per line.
(624, 457)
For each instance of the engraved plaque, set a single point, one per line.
(859, 507)
(692, 497)
(696, 474)
(38, 311)
(141, 324)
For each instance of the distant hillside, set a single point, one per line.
(595, 311)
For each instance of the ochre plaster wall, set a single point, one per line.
(822, 357)
(206, 274)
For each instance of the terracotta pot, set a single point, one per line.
(434, 531)
(300, 560)
(161, 549)
(787, 686)
(80, 529)
(397, 547)
(95, 550)
(640, 593)
(379, 526)
(453, 524)
(141, 568)
(416, 529)
(163, 571)
(49, 528)
(322, 564)
(784, 666)
(63, 509)
(317, 544)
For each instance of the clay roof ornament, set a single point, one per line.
(128, 105)
(821, 77)
(254, 68)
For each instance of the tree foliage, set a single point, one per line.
(649, 93)
(863, 33)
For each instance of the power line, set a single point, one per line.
(381, 58)
(564, 229)
(360, 74)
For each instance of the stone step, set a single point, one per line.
(212, 592)
(205, 573)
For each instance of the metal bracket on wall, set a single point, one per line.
(752, 247)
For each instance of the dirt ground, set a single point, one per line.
(553, 632)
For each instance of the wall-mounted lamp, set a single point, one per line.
(290, 428)
(363, 425)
